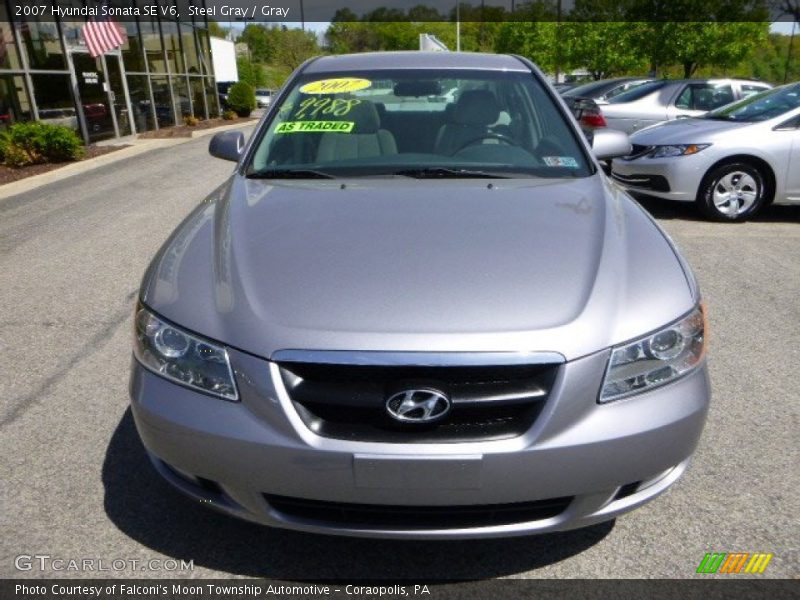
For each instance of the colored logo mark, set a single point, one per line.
(734, 562)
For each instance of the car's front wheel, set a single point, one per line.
(732, 192)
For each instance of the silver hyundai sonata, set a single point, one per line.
(413, 318)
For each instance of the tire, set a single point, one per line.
(733, 192)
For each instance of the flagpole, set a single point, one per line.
(458, 26)
(789, 54)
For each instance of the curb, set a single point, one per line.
(137, 147)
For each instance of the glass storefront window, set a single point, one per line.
(151, 40)
(53, 95)
(14, 102)
(212, 100)
(9, 56)
(72, 31)
(132, 48)
(172, 44)
(205, 51)
(163, 101)
(41, 41)
(180, 92)
(92, 85)
(190, 49)
(198, 97)
(140, 103)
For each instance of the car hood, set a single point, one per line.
(567, 266)
(685, 131)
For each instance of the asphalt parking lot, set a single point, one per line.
(76, 483)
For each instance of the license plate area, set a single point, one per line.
(433, 472)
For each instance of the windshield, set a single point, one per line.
(760, 107)
(638, 92)
(419, 123)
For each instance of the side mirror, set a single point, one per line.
(227, 145)
(610, 143)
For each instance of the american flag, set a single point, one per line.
(101, 35)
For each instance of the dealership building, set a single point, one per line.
(162, 73)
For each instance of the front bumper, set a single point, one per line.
(236, 456)
(671, 178)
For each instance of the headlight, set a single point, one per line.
(656, 359)
(677, 150)
(182, 357)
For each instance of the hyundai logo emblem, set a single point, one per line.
(418, 406)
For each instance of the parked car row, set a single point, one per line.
(726, 144)
(731, 161)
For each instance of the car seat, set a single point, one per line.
(475, 111)
(366, 140)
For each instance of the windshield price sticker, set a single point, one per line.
(338, 107)
(340, 85)
(560, 161)
(315, 126)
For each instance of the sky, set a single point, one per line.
(784, 27)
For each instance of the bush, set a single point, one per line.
(191, 120)
(35, 142)
(242, 98)
(229, 115)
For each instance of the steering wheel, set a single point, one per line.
(489, 135)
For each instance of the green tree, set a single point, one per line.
(293, 47)
(251, 72)
(605, 49)
(720, 45)
(534, 40)
(217, 30)
(669, 32)
(260, 42)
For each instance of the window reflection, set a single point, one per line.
(151, 40)
(198, 97)
(142, 109)
(212, 100)
(132, 48)
(40, 40)
(53, 95)
(190, 49)
(14, 102)
(163, 101)
(9, 57)
(180, 92)
(172, 45)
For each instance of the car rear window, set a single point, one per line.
(638, 92)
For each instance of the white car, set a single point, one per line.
(263, 97)
(731, 162)
(665, 100)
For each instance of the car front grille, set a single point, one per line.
(348, 402)
(417, 517)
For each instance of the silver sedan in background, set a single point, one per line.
(732, 161)
(666, 100)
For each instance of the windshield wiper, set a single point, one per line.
(290, 174)
(445, 172)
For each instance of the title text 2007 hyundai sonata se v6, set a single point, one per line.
(418, 309)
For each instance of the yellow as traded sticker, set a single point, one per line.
(335, 86)
(315, 126)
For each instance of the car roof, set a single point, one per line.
(370, 61)
(716, 80)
